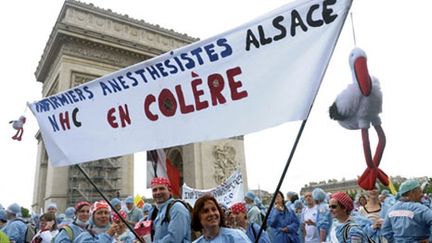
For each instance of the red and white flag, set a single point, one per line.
(158, 165)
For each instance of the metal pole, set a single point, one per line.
(109, 203)
(281, 178)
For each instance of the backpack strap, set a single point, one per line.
(168, 209)
(69, 232)
(154, 213)
(346, 229)
(253, 230)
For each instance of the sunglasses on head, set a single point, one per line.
(333, 206)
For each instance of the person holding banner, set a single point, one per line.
(239, 212)
(176, 227)
(207, 217)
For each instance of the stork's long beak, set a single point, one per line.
(362, 75)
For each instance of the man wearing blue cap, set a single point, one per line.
(324, 219)
(134, 214)
(116, 203)
(3, 221)
(3, 218)
(253, 213)
(408, 220)
(15, 229)
(52, 208)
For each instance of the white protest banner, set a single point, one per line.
(230, 192)
(258, 75)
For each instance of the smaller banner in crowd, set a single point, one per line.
(228, 193)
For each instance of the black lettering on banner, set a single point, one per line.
(296, 22)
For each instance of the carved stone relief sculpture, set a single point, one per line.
(225, 162)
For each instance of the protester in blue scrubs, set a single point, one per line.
(207, 217)
(408, 220)
(239, 212)
(324, 219)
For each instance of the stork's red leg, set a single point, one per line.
(378, 154)
(380, 146)
(20, 132)
(16, 135)
(368, 178)
(366, 148)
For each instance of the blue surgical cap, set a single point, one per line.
(318, 194)
(115, 201)
(147, 207)
(407, 186)
(15, 209)
(3, 215)
(70, 212)
(129, 200)
(250, 195)
(298, 204)
(61, 217)
(52, 205)
(385, 192)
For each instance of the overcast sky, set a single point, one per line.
(395, 36)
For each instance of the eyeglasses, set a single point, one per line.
(333, 206)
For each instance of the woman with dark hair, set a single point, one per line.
(207, 217)
(47, 229)
(347, 230)
(283, 221)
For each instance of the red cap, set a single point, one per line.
(157, 181)
(99, 205)
(344, 199)
(116, 218)
(239, 207)
(81, 204)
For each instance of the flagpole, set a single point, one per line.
(297, 138)
(281, 178)
(109, 203)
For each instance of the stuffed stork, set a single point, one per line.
(358, 107)
(19, 126)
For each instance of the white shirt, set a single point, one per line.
(46, 235)
(311, 234)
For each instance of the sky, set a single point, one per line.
(395, 36)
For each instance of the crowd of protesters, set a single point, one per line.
(313, 217)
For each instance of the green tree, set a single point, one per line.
(25, 213)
